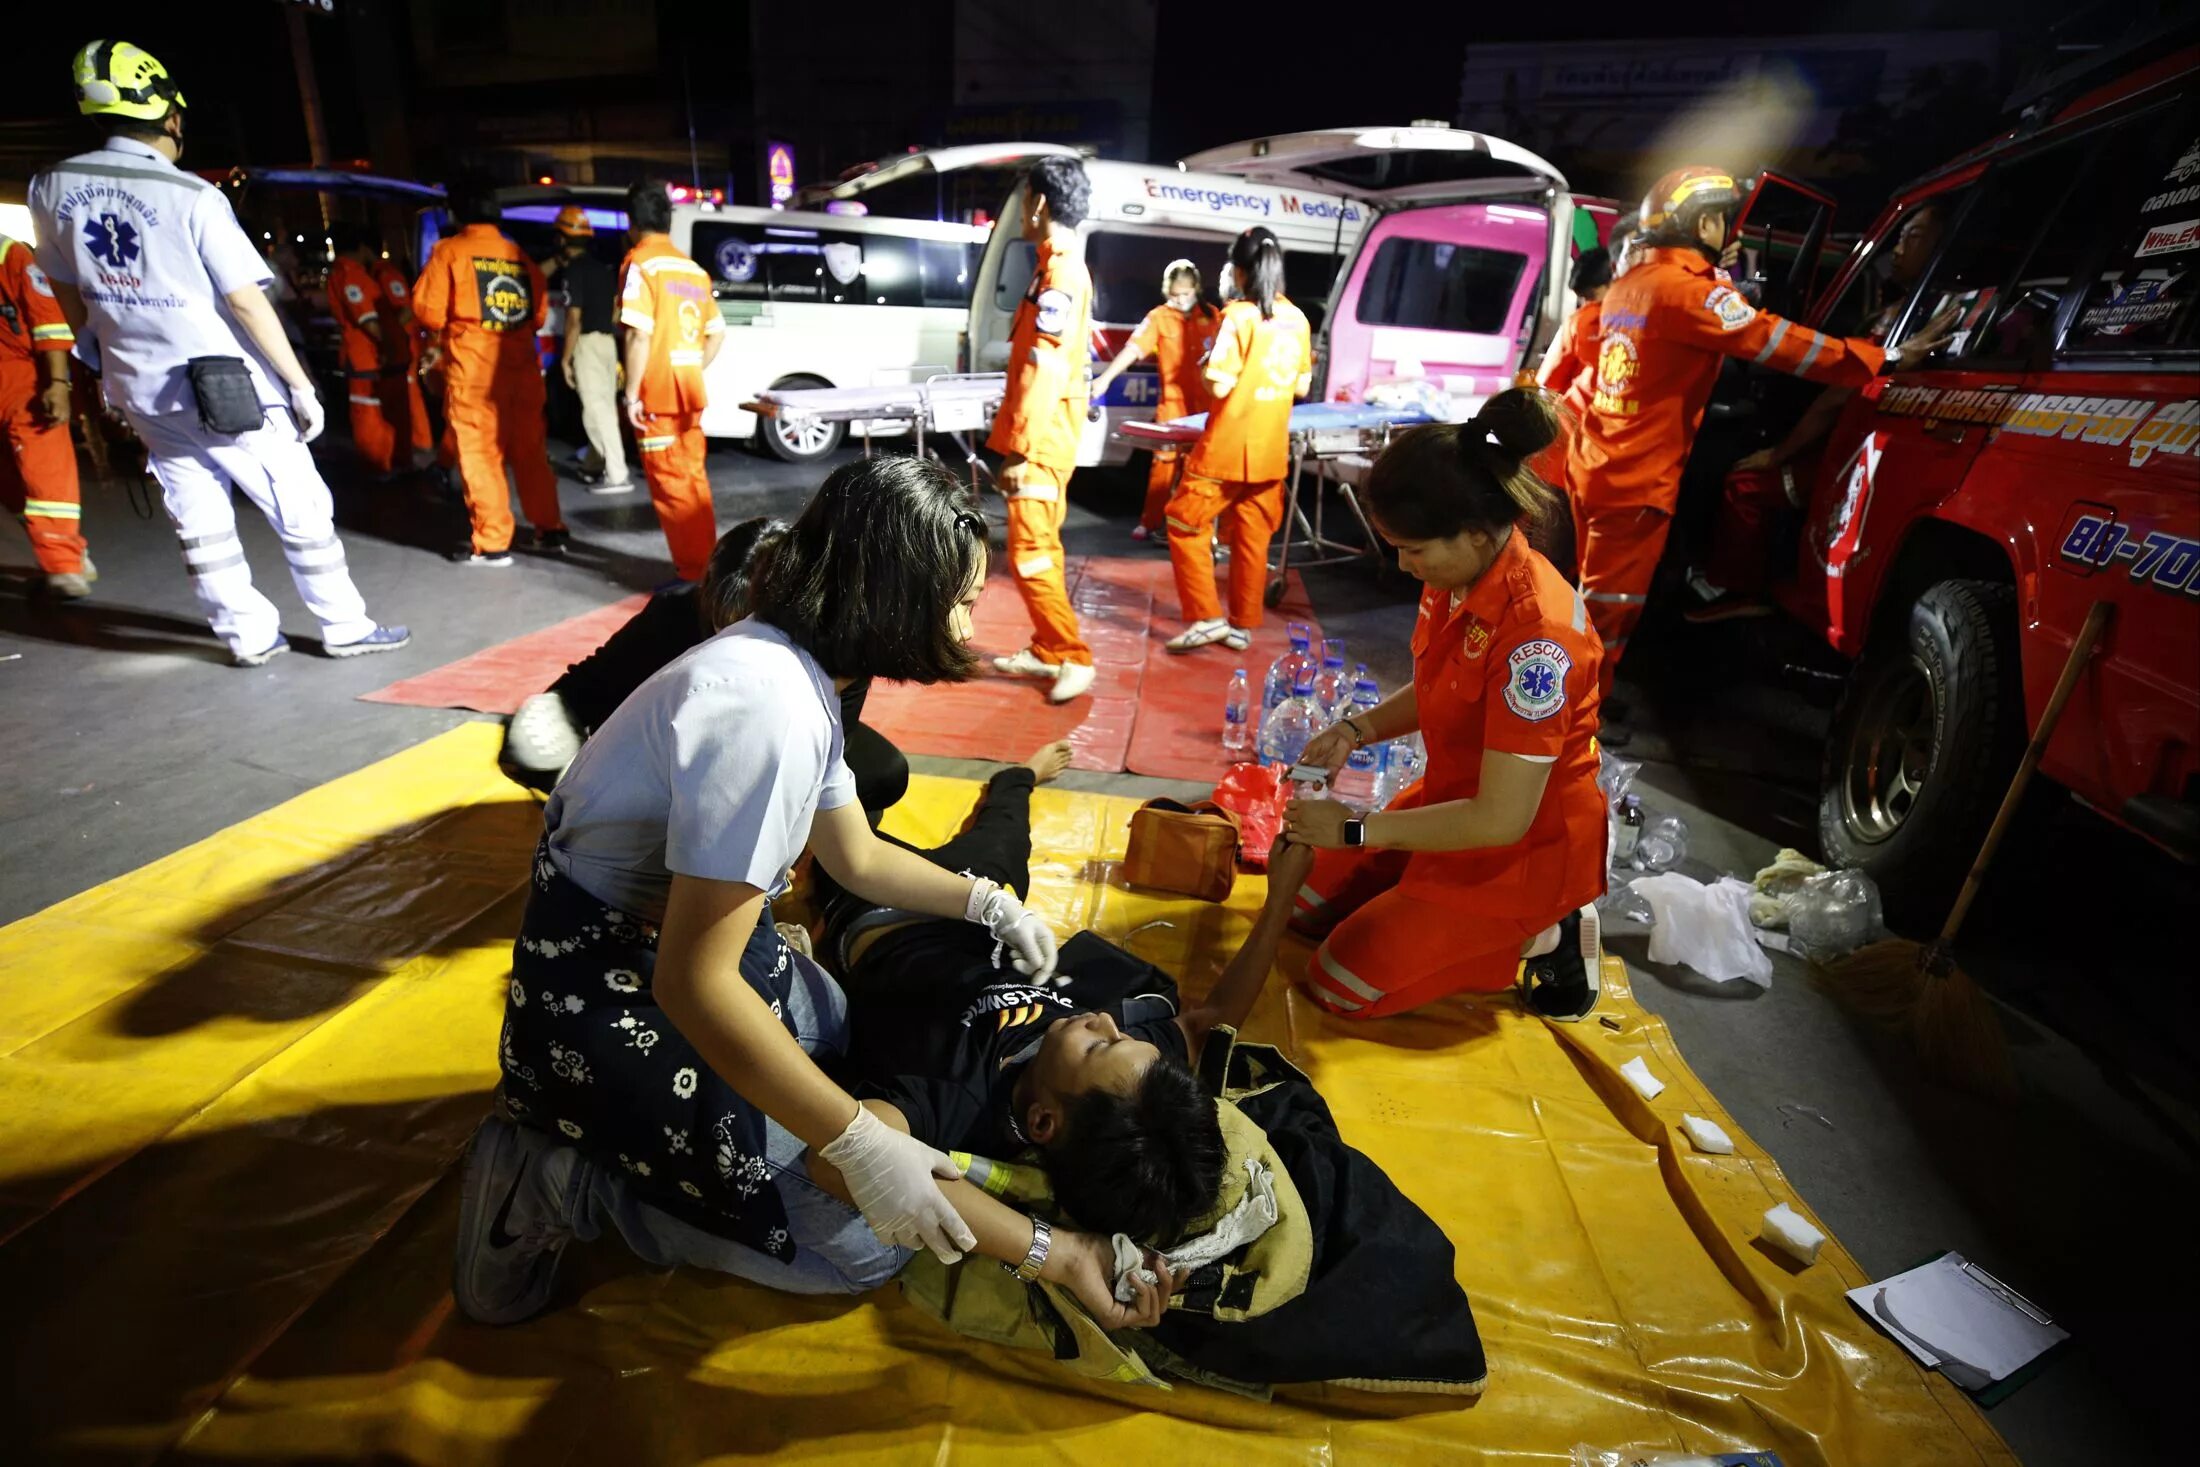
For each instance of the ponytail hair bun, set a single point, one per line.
(1442, 479)
(1520, 421)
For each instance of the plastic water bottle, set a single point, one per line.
(1236, 709)
(1285, 671)
(1402, 762)
(1285, 733)
(1355, 784)
(1332, 685)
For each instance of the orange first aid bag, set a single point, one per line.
(1191, 849)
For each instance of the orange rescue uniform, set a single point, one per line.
(38, 468)
(1236, 469)
(1569, 371)
(397, 292)
(1178, 343)
(668, 295)
(1665, 327)
(1043, 418)
(356, 299)
(485, 299)
(1510, 669)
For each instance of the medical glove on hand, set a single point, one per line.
(996, 909)
(305, 405)
(890, 1176)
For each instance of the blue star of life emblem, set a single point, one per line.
(112, 240)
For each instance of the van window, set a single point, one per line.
(1308, 277)
(891, 276)
(2141, 298)
(1017, 263)
(947, 265)
(1126, 269)
(786, 263)
(2005, 290)
(1433, 285)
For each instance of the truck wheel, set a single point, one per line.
(799, 442)
(1927, 733)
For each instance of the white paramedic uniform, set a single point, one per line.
(153, 250)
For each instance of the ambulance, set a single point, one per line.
(1965, 514)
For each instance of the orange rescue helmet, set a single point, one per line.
(1680, 198)
(574, 223)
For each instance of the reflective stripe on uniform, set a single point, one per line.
(110, 170)
(656, 445)
(1615, 597)
(200, 572)
(52, 509)
(1177, 524)
(321, 557)
(684, 358)
(1034, 565)
(1772, 342)
(1581, 612)
(1345, 978)
(1817, 345)
(60, 332)
(1311, 899)
(366, 401)
(1037, 493)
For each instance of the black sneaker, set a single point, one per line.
(1727, 606)
(1565, 983)
(552, 542)
(512, 1230)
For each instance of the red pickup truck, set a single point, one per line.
(1966, 511)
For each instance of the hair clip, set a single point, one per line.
(970, 521)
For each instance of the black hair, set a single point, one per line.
(1440, 479)
(868, 576)
(1062, 183)
(473, 200)
(648, 209)
(1258, 254)
(1147, 1164)
(1592, 268)
(344, 238)
(724, 596)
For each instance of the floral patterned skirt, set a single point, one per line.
(588, 1055)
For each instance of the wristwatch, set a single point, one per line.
(1042, 1238)
(1355, 833)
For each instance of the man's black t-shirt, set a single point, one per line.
(588, 290)
(942, 1034)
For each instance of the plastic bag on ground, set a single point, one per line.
(1664, 844)
(1256, 794)
(1835, 913)
(1768, 906)
(1706, 928)
(1616, 776)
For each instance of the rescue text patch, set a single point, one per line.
(1727, 304)
(1053, 318)
(1536, 685)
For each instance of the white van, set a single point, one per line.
(1140, 218)
(825, 300)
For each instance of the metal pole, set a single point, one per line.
(309, 102)
(687, 100)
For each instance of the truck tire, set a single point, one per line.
(799, 443)
(1927, 734)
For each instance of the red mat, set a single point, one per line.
(498, 679)
(1149, 712)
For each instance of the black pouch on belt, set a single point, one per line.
(228, 402)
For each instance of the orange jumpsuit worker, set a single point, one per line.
(397, 293)
(1667, 324)
(38, 468)
(1262, 359)
(1497, 855)
(1178, 334)
(485, 300)
(1569, 370)
(371, 335)
(1040, 422)
(673, 332)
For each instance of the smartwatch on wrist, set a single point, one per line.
(1042, 1239)
(1355, 833)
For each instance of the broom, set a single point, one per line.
(1953, 1025)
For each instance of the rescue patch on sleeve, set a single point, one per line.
(396, 288)
(1053, 317)
(354, 294)
(37, 278)
(1535, 685)
(1727, 304)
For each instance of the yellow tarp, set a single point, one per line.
(233, 1086)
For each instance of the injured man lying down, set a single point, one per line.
(1104, 1107)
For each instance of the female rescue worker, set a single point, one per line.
(1495, 855)
(659, 1034)
(1263, 357)
(1177, 334)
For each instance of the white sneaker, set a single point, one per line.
(541, 738)
(1073, 681)
(1202, 634)
(1024, 664)
(1238, 640)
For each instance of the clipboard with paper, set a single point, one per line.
(1957, 1318)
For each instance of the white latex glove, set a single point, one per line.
(996, 909)
(305, 405)
(890, 1177)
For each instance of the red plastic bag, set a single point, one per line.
(1256, 794)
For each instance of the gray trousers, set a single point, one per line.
(596, 379)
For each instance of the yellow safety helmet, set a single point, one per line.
(117, 79)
